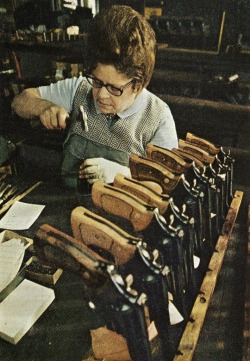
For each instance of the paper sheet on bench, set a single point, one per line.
(11, 257)
(21, 309)
(21, 216)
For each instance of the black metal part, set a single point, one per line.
(149, 276)
(170, 244)
(122, 308)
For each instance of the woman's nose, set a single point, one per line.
(103, 92)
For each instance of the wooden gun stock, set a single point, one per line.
(188, 157)
(142, 191)
(202, 143)
(199, 153)
(144, 169)
(123, 204)
(99, 233)
(167, 158)
(61, 250)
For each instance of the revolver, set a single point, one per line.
(132, 257)
(111, 295)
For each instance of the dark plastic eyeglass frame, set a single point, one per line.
(120, 90)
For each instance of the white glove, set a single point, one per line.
(100, 169)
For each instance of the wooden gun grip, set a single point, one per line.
(202, 143)
(167, 158)
(102, 234)
(199, 153)
(142, 191)
(188, 157)
(123, 204)
(144, 169)
(57, 248)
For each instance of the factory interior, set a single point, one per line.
(202, 72)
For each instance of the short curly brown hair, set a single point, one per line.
(121, 37)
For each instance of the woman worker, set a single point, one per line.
(110, 111)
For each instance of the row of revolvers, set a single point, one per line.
(174, 231)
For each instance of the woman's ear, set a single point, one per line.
(137, 87)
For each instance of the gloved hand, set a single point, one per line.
(100, 169)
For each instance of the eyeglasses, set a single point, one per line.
(97, 83)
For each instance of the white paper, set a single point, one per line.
(174, 317)
(21, 216)
(21, 308)
(174, 314)
(196, 260)
(11, 258)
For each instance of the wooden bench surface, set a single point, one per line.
(246, 347)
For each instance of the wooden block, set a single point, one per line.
(42, 273)
(109, 345)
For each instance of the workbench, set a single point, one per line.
(63, 331)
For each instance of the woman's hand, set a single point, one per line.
(30, 105)
(100, 169)
(54, 117)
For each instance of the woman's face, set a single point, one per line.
(107, 102)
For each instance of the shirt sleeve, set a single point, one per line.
(62, 92)
(166, 135)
